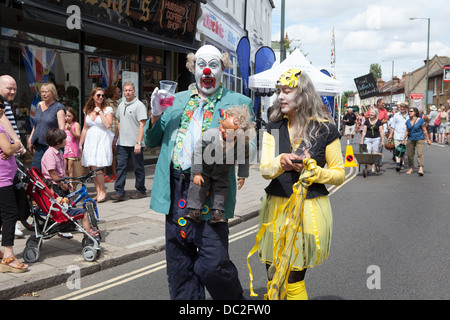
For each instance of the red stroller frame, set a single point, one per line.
(56, 219)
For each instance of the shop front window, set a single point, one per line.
(231, 77)
(36, 53)
(33, 65)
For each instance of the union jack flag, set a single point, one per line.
(38, 64)
(110, 71)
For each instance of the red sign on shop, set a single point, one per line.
(211, 22)
(416, 96)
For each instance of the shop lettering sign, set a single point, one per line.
(168, 18)
(211, 23)
(416, 96)
(218, 28)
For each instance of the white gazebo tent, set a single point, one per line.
(325, 85)
(264, 82)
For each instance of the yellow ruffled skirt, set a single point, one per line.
(313, 241)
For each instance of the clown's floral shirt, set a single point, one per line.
(186, 117)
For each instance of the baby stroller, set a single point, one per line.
(51, 218)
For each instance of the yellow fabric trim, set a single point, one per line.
(316, 233)
(285, 244)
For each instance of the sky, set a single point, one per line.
(366, 32)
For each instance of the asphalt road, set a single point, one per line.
(390, 242)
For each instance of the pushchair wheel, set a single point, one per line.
(86, 241)
(31, 254)
(33, 241)
(89, 253)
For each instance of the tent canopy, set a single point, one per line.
(324, 84)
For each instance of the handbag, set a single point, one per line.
(437, 122)
(78, 169)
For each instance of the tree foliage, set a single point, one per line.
(375, 69)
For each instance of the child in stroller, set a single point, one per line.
(59, 216)
(73, 212)
(53, 169)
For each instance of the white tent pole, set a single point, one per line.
(339, 112)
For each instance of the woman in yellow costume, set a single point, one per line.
(297, 125)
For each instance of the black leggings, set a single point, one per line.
(294, 276)
(8, 215)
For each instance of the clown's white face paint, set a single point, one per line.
(286, 98)
(208, 73)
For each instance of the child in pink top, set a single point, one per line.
(73, 132)
(52, 162)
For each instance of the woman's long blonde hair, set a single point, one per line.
(308, 106)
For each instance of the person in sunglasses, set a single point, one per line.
(96, 138)
(416, 136)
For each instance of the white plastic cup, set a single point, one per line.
(169, 87)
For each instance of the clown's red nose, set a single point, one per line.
(207, 71)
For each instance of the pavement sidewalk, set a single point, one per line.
(130, 230)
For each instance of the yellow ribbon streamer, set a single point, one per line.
(285, 244)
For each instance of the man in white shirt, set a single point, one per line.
(132, 115)
(398, 129)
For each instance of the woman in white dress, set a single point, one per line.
(96, 138)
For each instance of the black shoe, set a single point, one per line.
(217, 217)
(194, 215)
(399, 167)
(117, 197)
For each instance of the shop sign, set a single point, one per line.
(416, 96)
(446, 74)
(171, 19)
(216, 27)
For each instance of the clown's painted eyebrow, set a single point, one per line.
(213, 63)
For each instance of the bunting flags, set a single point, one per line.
(333, 49)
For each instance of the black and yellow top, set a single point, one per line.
(325, 149)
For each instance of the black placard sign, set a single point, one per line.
(366, 85)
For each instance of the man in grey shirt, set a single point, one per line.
(132, 115)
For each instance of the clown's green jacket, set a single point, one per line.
(163, 134)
